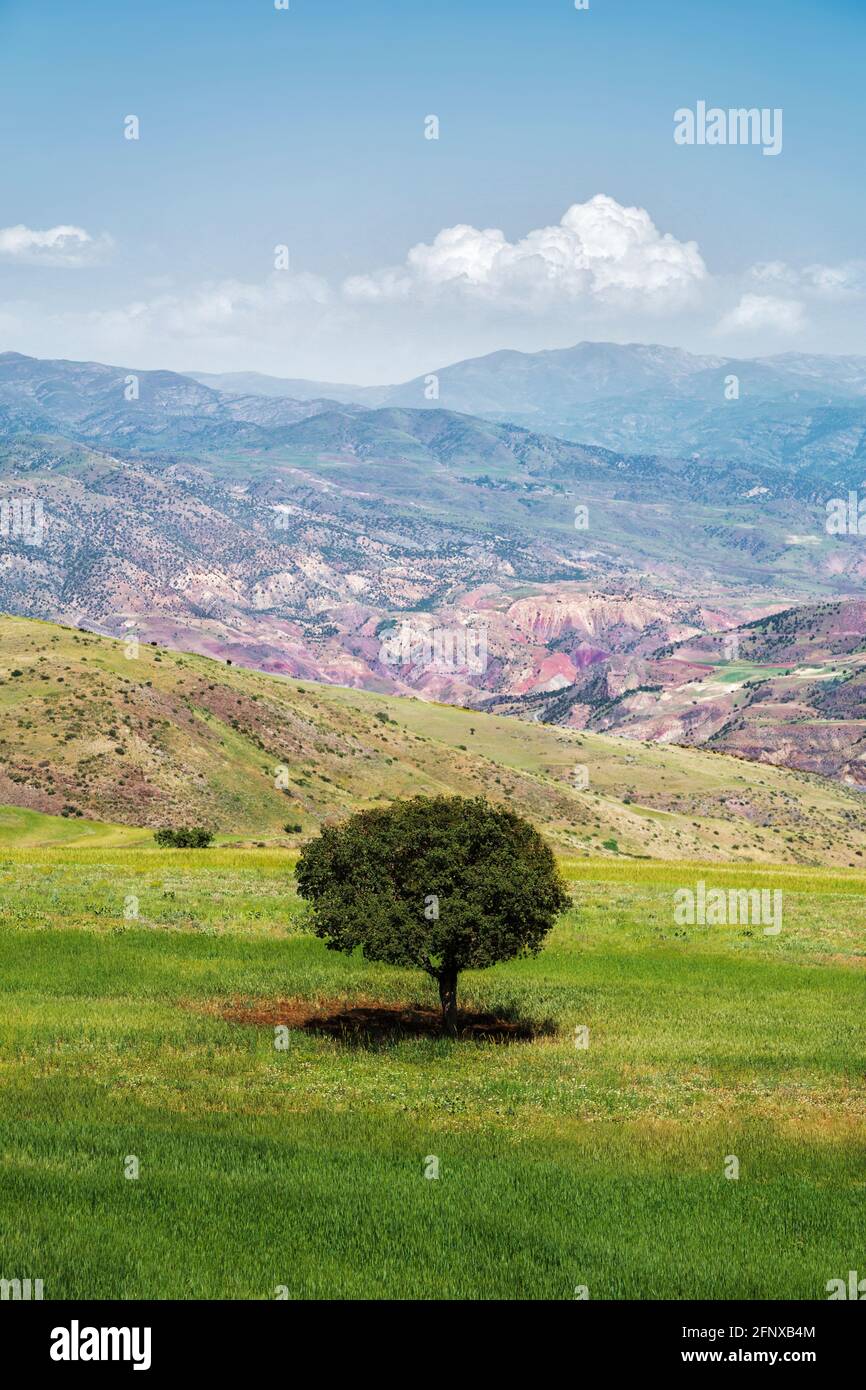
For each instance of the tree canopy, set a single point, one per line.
(442, 884)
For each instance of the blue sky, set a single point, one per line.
(305, 128)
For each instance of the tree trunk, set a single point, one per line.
(448, 999)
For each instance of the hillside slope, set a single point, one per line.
(290, 540)
(786, 688)
(161, 737)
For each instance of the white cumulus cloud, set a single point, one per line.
(58, 246)
(599, 250)
(764, 311)
(830, 282)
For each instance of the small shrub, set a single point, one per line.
(187, 837)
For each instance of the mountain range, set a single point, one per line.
(792, 410)
(302, 534)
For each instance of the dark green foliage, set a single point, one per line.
(292, 828)
(193, 837)
(441, 883)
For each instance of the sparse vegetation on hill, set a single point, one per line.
(87, 733)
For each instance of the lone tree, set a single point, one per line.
(440, 883)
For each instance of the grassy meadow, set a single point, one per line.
(127, 974)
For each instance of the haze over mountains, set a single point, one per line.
(298, 532)
(793, 409)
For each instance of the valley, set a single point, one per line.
(302, 537)
(432, 677)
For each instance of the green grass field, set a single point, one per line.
(304, 1169)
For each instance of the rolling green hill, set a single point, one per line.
(90, 734)
(25, 830)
